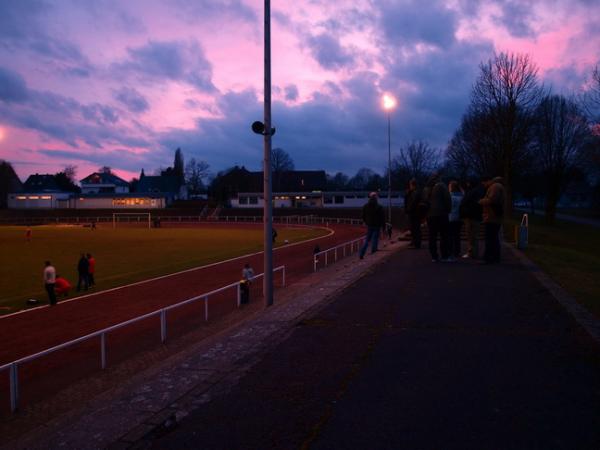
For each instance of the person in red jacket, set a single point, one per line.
(62, 286)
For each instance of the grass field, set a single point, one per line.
(570, 254)
(123, 255)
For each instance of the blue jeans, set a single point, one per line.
(373, 237)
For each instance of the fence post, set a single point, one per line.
(325, 258)
(206, 308)
(103, 350)
(335, 254)
(14, 388)
(315, 263)
(163, 326)
(283, 277)
(239, 295)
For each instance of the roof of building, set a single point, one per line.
(159, 183)
(241, 180)
(41, 183)
(104, 178)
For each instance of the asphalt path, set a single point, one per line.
(417, 355)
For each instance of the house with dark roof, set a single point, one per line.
(40, 191)
(168, 184)
(104, 183)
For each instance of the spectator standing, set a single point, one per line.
(374, 218)
(83, 270)
(247, 275)
(471, 212)
(49, 281)
(437, 197)
(454, 222)
(247, 272)
(493, 215)
(28, 234)
(91, 270)
(412, 208)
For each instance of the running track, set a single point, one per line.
(33, 331)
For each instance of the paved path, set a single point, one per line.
(412, 355)
(417, 355)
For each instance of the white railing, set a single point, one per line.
(13, 367)
(291, 220)
(347, 248)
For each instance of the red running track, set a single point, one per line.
(36, 330)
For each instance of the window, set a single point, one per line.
(327, 199)
(338, 199)
(253, 200)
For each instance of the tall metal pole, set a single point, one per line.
(389, 171)
(267, 193)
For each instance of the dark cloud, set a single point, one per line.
(132, 100)
(516, 16)
(176, 61)
(23, 27)
(12, 86)
(413, 22)
(194, 10)
(121, 158)
(66, 119)
(291, 92)
(329, 53)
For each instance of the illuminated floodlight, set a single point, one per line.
(389, 102)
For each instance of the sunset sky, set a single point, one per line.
(123, 83)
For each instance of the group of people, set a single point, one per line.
(445, 208)
(57, 285)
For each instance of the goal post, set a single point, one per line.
(145, 218)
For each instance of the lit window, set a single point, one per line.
(21, 197)
(34, 197)
(46, 197)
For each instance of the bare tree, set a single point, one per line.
(470, 151)
(417, 159)
(561, 133)
(281, 162)
(506, 92)
(195, 173)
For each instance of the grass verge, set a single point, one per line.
(570, 254)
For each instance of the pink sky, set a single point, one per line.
(125, 83)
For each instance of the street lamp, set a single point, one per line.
(389, 103)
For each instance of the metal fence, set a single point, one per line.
(332, 254)
(13, 367)
(143, 218)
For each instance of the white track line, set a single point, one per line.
(23, 311)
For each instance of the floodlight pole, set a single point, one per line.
(389, 170)
(267, 188)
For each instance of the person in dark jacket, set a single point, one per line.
(412, 209)
(437, 197)
(493, 216)
(471, 212)
(374, 217)
(83, 267)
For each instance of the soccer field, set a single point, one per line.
(123, 255)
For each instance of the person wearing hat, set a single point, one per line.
(493, 215)
(374, 218)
